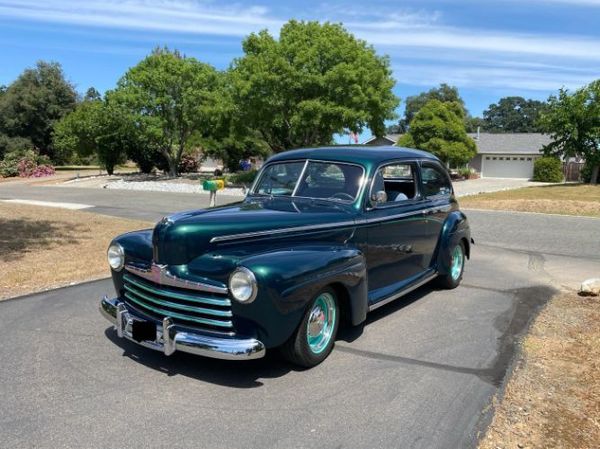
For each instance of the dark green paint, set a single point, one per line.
(365, 262)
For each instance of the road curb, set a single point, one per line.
(52, 290)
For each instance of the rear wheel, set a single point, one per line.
(457, 264)
(313, 340)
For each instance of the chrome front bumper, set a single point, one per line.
(169, 340)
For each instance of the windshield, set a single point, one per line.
(311, 179)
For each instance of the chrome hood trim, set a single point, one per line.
(247, 235)
(160, 274)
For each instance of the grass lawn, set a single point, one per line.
(564, 199)
(42, 247)
(553, 397)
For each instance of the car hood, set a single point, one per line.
(179, 238)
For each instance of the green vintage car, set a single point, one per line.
(323, 237)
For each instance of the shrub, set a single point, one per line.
(244, 177)
(8, 169)
(547, 169)
(188, 164)
(25, 164)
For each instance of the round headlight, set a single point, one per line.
(242, 285)
(116, 256)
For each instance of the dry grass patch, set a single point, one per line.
(567, 199)
(43, 247)
(553, 397)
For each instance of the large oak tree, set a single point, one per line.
(173, 99)
(315, 80)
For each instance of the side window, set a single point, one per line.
(435, 181)
(397, 180)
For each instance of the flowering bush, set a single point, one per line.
(25, 165)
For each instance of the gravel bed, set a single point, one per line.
(158, 186)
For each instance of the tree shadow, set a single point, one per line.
(236, 374)
(21, 236)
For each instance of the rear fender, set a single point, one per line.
(455, 229)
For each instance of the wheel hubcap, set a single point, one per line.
(457, 262)
(321, 322)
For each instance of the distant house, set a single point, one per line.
(509, 155)
(388, 139)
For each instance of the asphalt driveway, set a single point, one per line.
(421, 373)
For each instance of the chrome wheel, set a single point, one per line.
(456, 265)
(321, 323)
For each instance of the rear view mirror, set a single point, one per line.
(378, 198)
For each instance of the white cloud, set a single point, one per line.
(462, 56)
(485, 41)
(179, 16)
(491, 77)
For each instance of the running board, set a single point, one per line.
(407, 290)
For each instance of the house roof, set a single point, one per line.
(393, 138)
(497, 143)
(513, 143)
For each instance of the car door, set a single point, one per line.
(398, 238)
(437, 193)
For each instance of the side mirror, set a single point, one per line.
(378, 198)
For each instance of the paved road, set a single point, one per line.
(120, 203)
(420, 374)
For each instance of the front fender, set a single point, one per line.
(288, 279)
(455, 229)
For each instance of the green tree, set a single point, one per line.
(314, 81)
(99, 127)
(439, 128)
(172, 98)
(92, 94)
(513, 115)
(472, 124)
(573, 122)
(444, 93)
(34, 102)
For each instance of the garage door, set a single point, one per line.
(506, 166)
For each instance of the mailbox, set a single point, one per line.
(213, 185)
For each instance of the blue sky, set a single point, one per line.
(488, 48)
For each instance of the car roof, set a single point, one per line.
(360, 154)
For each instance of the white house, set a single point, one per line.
(507, 155)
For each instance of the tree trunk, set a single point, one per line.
(172, 167)
(595, 170)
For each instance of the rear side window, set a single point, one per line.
(435, 180)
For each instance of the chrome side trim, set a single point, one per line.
(389, 299)
(168, 339)
(160, 274)
(246, 235)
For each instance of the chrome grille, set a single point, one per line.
(185, 307)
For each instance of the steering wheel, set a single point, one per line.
(341, 196)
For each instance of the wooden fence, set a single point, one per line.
(572, 171)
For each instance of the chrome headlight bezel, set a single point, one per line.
(116, 256)
(242, 274)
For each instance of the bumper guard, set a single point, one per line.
(169, 340)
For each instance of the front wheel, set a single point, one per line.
(313, 340)
(457, 264)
